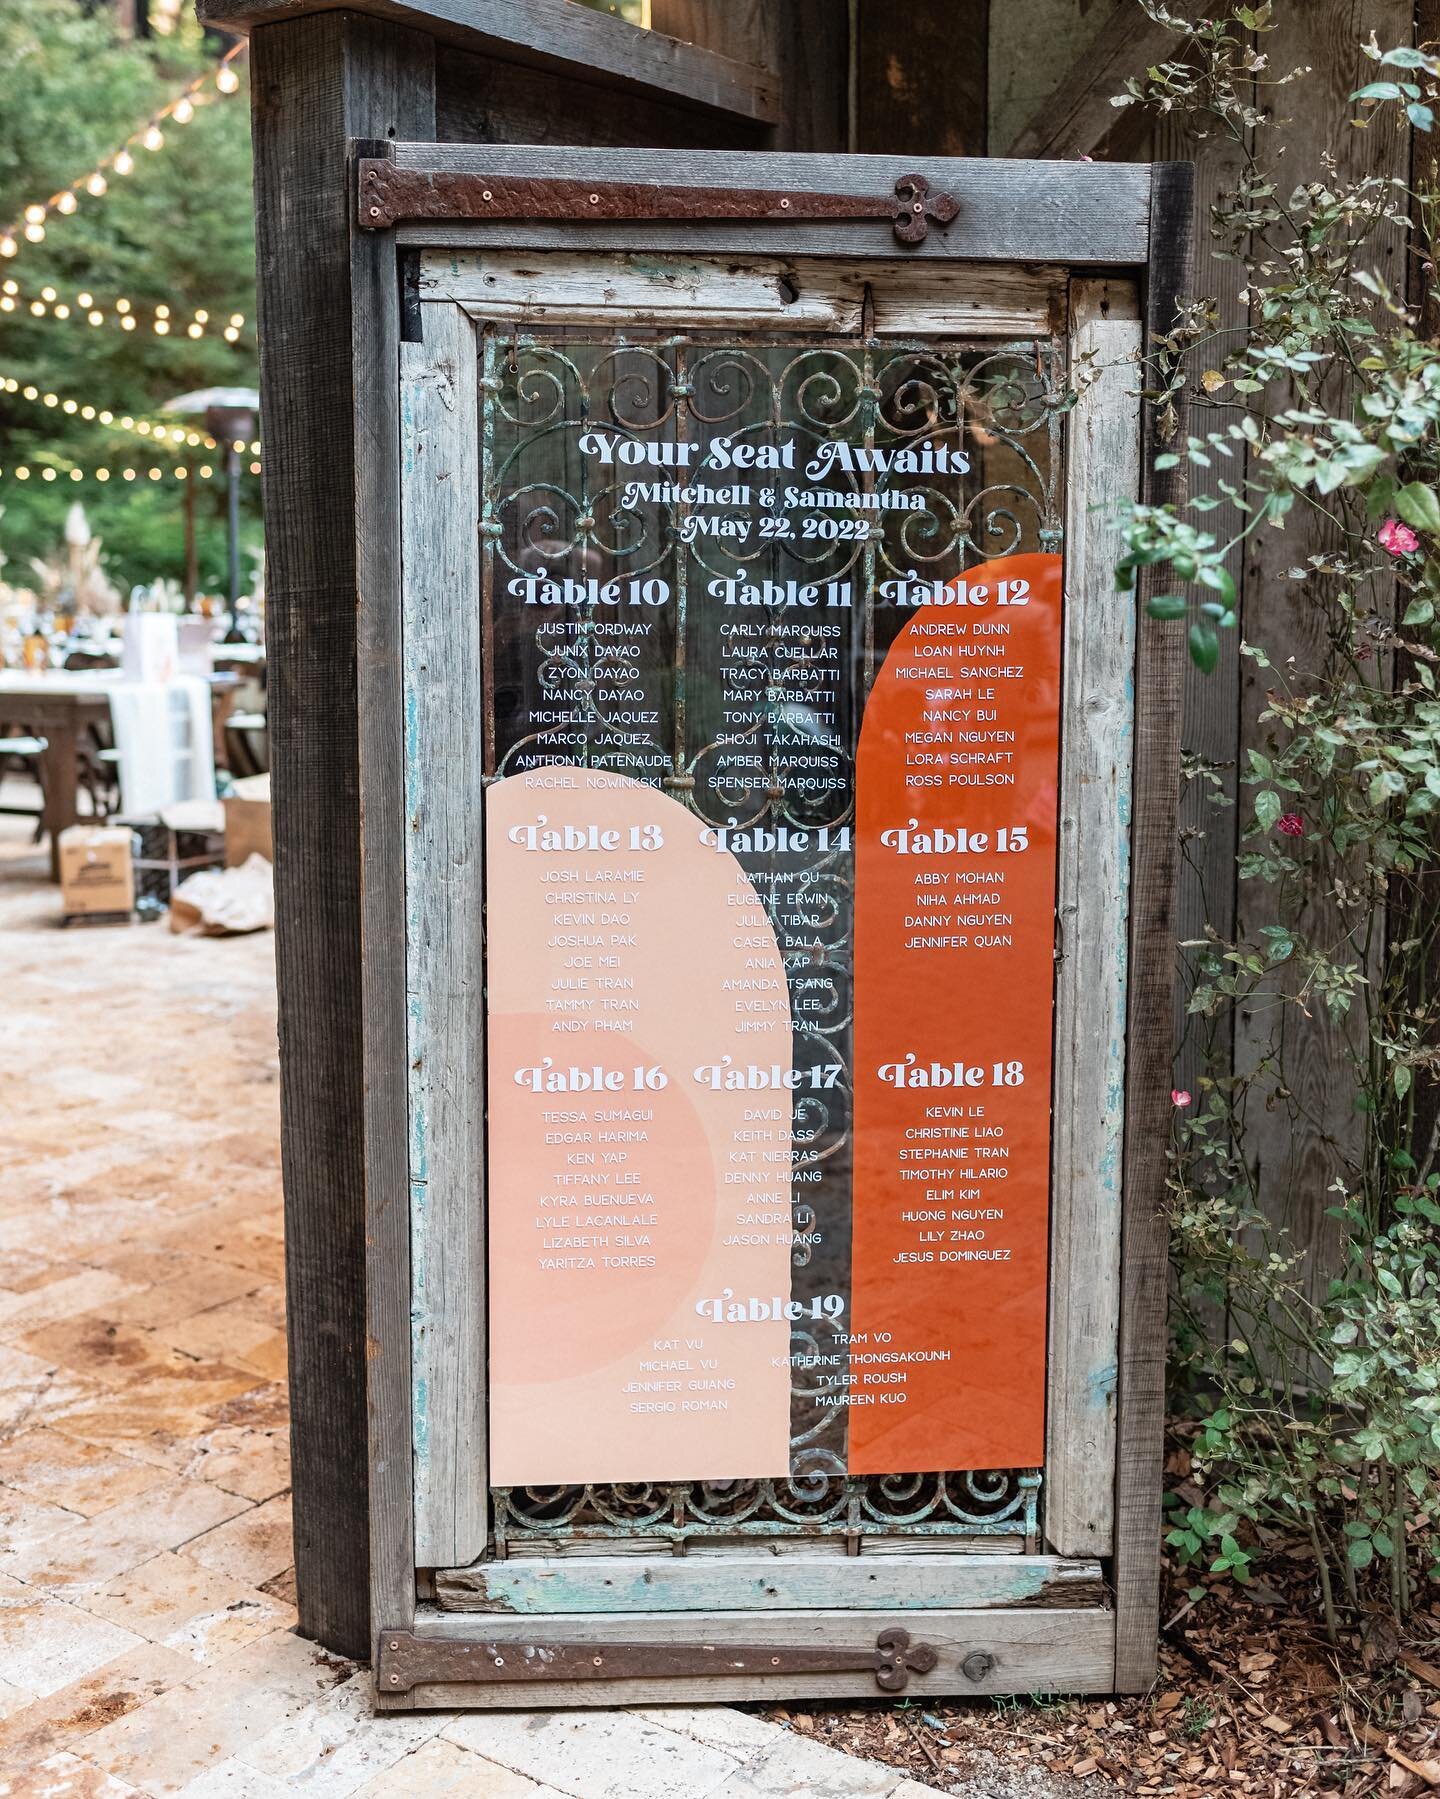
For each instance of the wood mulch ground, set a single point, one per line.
(1250, 1699)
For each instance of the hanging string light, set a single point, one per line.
(47, 472)
(159, 320)
(29, 227)
(172, 435)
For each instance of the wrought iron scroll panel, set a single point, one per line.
(758, 724)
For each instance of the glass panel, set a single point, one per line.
(696, 557)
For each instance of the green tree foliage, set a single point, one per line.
(177, 231)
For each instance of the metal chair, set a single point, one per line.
(29, 752)
(247, 744)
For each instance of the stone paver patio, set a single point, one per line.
(146, 1616)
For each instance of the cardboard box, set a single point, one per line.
(247, 822)
(96, 871)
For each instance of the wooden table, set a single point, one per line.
(58, 705)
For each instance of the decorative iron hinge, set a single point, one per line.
(391, 196)
(407, 1661)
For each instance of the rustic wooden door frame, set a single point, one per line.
(1082, 216)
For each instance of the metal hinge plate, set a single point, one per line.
(392, 196)
(406, 1660)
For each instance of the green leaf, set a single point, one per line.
(1204, 647)
(1378, 90)
(1360, 1552)
(1419, 612)
(1217, 577)
(1420, 116)
(1267, 809)
(1166, 605)
(1418, 506)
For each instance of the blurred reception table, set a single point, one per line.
(58, 704)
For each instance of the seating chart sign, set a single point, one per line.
(772, 691)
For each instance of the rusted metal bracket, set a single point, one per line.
(407, 1661)
(391, 196)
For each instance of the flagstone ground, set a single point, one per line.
(146, 1590)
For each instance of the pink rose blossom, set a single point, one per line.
(1399, 539)
(1179, 1097)
(1291, 824)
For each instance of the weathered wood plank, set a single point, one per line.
(803, 45)
(759, 1582)
(1210, 706)
(1062, 212)
(1144, 1253)
(1033, 1651)
(444, 907)
(1077, 116)
(317, 84)
(1298, 1145)
(551, 35)
(480, 99)
(920, 89)
(1102, 468)
(786, 294)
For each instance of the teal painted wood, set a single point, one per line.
(792, 1582)
(439, 447)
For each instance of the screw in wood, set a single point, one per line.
(394, 1680)
(486, 194)
(374, 212)
(394, 1645)
(784, 204)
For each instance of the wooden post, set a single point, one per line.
(318, 82)
(1144, 1253)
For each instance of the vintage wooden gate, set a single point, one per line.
(767, 798)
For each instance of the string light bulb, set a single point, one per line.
(226, 79)
(154, 138)
(35, 234)
(97, 184)
(34, 215)
(8, 246)
(66, 202)
(124, 163)
(184, 110)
